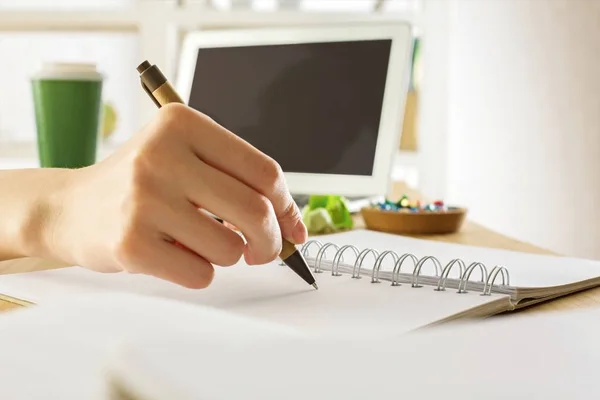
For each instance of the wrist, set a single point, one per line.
(37, 233)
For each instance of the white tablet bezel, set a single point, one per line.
(392, 114)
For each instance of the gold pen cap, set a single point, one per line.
(156, 84)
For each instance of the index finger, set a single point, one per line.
(229, 153)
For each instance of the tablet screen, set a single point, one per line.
(313, 107)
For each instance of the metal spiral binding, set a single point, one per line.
(487, 278)
(304, 248)
(321, 253)
(375, 273)
(465, 277)
(335, 267)
(398, 265)
(417, 270)
(505, 279)
(442, 281)
(360, 259)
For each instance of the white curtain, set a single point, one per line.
(514, 95)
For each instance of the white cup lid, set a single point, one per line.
(68, 71)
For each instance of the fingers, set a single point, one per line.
(239, 204)
(228, 153)
(202, 234)
(290, 221)
(180, 266)
(152, 255)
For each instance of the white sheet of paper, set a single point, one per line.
(525, 357)
(66, 351)
(59, 351)
(273, 293)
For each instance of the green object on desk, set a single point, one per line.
(68, 106)
(326, 214)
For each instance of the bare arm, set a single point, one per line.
(30, 202)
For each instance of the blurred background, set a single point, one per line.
(502, 115)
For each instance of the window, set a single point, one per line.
(117, 35)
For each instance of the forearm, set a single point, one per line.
(30, 202)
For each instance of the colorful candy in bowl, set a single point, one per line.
(407, 216)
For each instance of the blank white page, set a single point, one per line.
(273, 293)
(63, 351)
(519, 357)
(526, 270)
(59, 350)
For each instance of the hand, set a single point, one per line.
(130, 211)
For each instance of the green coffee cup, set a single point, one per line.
(68, 105)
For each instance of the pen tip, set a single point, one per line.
(315, 286)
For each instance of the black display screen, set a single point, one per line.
(314, 108)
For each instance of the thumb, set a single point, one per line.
(291, 224)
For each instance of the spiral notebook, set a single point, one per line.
(370, 283)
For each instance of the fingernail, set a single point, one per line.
(299, 234)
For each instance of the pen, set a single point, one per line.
(161, 92)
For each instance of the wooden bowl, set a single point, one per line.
(420, 222)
